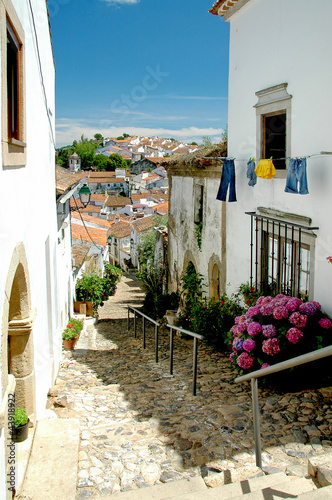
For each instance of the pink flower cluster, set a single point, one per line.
(271, 346)
(245, 361)
(294, 335)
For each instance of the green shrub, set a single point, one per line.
(20, 417)
(95, 289)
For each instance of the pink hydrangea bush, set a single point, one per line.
(276, 329)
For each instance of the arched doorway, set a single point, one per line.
(17, 341)
(215, 283)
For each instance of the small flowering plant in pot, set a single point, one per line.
(20, 427)
(71, 334)
(276, 329)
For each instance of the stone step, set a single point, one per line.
(52, 467)
(228, 491)
(174, 489)
(288, 489)
(320, 494)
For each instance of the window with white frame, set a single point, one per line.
(273, 125)
(13, 91)
(282, 254)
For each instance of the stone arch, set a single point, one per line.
(189, 257)
(216, 288)
(17, 357)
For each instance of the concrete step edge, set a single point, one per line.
(297, 487)
(324, 493)
(173, 489)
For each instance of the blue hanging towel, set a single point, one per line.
(227, 179)
(251, 174)
(296, 181)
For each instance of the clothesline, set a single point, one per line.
(322, 153)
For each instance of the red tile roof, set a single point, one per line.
(221, 6)
(161, 207)
(65, 180)
(120, 230)
(79, 253)
(94, 220)
(144, 224)
(117, 201)
(80, 233)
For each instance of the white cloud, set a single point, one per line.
(68, 130)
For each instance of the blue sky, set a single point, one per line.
(147, 67)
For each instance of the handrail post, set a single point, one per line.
(256, 420)
(143, 332)
(128, 324)
(135, 334)
(156, 341)
(171, 351)
(195, 366)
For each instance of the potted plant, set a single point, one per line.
(20, 427)
(69, 337)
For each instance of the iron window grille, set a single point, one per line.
(280, 256)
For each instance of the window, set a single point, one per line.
(273, 125)
(282, 254)
(13, 91)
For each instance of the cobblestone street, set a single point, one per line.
(140, 426)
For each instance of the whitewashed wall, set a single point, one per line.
(273, 42)
(28, 210)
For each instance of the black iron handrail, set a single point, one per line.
(195, 336)
(253, 376)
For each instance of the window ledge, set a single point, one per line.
(16, 142)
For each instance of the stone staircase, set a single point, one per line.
(269, 487)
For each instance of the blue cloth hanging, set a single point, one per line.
(227, 179)
(296, 181)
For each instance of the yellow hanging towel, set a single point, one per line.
(265, 169)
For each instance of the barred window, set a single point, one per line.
(281, 256)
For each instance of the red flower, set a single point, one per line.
(222, 302)
(249, 302)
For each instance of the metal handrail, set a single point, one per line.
(144, 316)
(254, 376)
(196, 337)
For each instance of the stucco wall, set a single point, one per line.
(27, 198)
(273, 42)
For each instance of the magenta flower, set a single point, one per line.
(241, 327)
(266, 310)
(294, 335)
(240, 319)
(254, 328)
(259, 301)
(269, 331)
(252, 311)
(293, 304)
(245, 361)
(298, 320)
(280, 313)
(308, 308)
(249, 345)
(271, 346)
(325, 323)
(265, 365)
(266, 300)
(231, 356)
(316, 304)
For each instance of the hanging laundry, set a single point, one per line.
(227, 179)
(296, 181)
(265, 169)
(251, 174)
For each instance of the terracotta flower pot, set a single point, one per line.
(69, 344)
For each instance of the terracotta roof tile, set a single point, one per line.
(65, 180)
(144, 224)
(120, 230)
(94, 220)
(79, 253)
(161, 207)
(80, 233)
(117, 201)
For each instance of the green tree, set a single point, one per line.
(98, 137)
(115, 161)
(207, 141)
(100, 162)
(86, 151)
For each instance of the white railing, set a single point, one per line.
(254, 376)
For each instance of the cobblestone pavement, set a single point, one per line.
(140, 426)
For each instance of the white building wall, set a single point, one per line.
(274, 42)
(27, 205)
